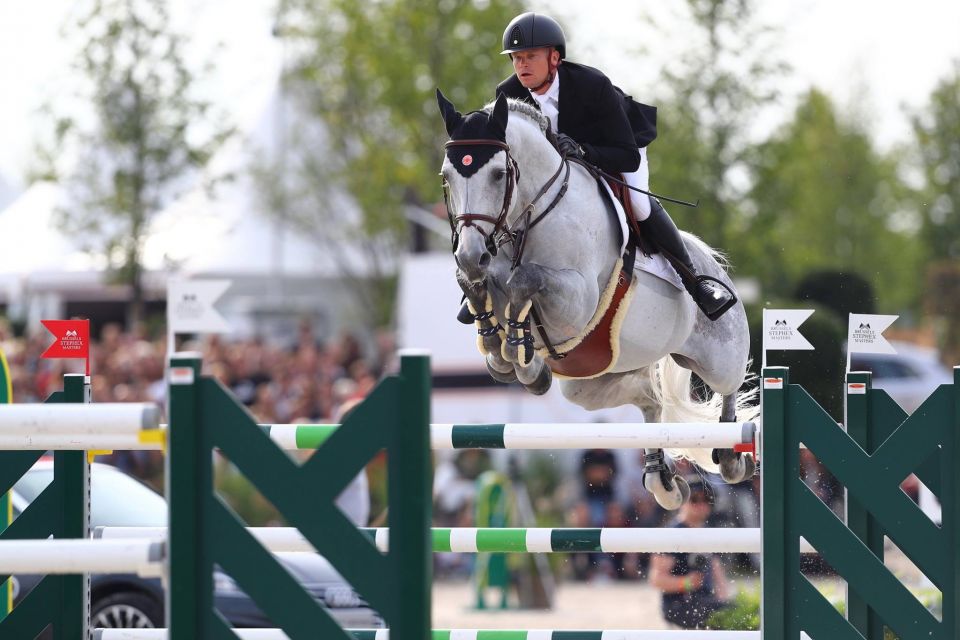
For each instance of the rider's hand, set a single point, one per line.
(568, 146)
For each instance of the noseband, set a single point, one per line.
(500, 234)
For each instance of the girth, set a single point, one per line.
(594, 354)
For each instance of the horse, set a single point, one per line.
(534, 236)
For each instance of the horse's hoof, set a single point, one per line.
(542, 384)
(670, 499)
(684, 489)
(751, 466)
(505, 377)
(465, 316)
(734, 467)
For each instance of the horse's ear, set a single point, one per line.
(451, 117)
(499, 115)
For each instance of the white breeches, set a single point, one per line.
(641, 180)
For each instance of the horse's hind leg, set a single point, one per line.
(734, 466)
(634, 387)
(661, 479)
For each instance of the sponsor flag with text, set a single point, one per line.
(781, 330)
(71, 339)
(865, 334)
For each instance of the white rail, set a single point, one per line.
(52, 556)
(41, 427)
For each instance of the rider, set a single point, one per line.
(595, 121)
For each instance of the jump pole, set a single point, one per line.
(513, 540)
(462, 634)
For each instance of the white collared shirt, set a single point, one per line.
(550, 101)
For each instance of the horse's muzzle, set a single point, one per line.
(473, 264)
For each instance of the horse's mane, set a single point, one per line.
(524, 109)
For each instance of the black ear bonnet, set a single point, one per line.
(476, 125)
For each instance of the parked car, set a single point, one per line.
(129, 601)
(909, 376)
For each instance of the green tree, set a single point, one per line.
(135, 135)
(824, 199)
(937, 134)
(717, 88)
(368, 72)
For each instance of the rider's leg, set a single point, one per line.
(641, 180)
(712, 299)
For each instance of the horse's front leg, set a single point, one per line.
(490, 332)
(553, 291)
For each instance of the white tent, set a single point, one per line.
(8, 191)
(223, 233)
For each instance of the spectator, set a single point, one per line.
(693, 584)
(598, 469)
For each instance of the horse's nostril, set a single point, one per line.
(484, 261)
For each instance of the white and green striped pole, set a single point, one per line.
(132, 427)
(463, 634)
(683, 435)
(515, 540)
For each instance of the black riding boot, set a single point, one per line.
(712, 297)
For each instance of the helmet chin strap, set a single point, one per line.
(548, 81)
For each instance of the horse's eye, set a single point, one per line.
(499, 175)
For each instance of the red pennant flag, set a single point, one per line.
(72, 339)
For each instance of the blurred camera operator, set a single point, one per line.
(694, 585)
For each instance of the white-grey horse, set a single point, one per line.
(501, 173)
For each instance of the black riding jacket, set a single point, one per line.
(608, 124)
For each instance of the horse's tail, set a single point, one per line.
(671, 387)
(715, 254)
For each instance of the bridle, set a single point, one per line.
(458, 222)
(501, 233)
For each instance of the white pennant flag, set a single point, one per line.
(190, 307)
(865, 334)
(780, 330)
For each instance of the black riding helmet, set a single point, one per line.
(532, 31)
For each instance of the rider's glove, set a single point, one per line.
(568, 147)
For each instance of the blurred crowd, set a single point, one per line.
(305, 380)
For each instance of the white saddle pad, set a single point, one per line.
(656, 264)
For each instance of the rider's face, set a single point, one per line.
(533, 66)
